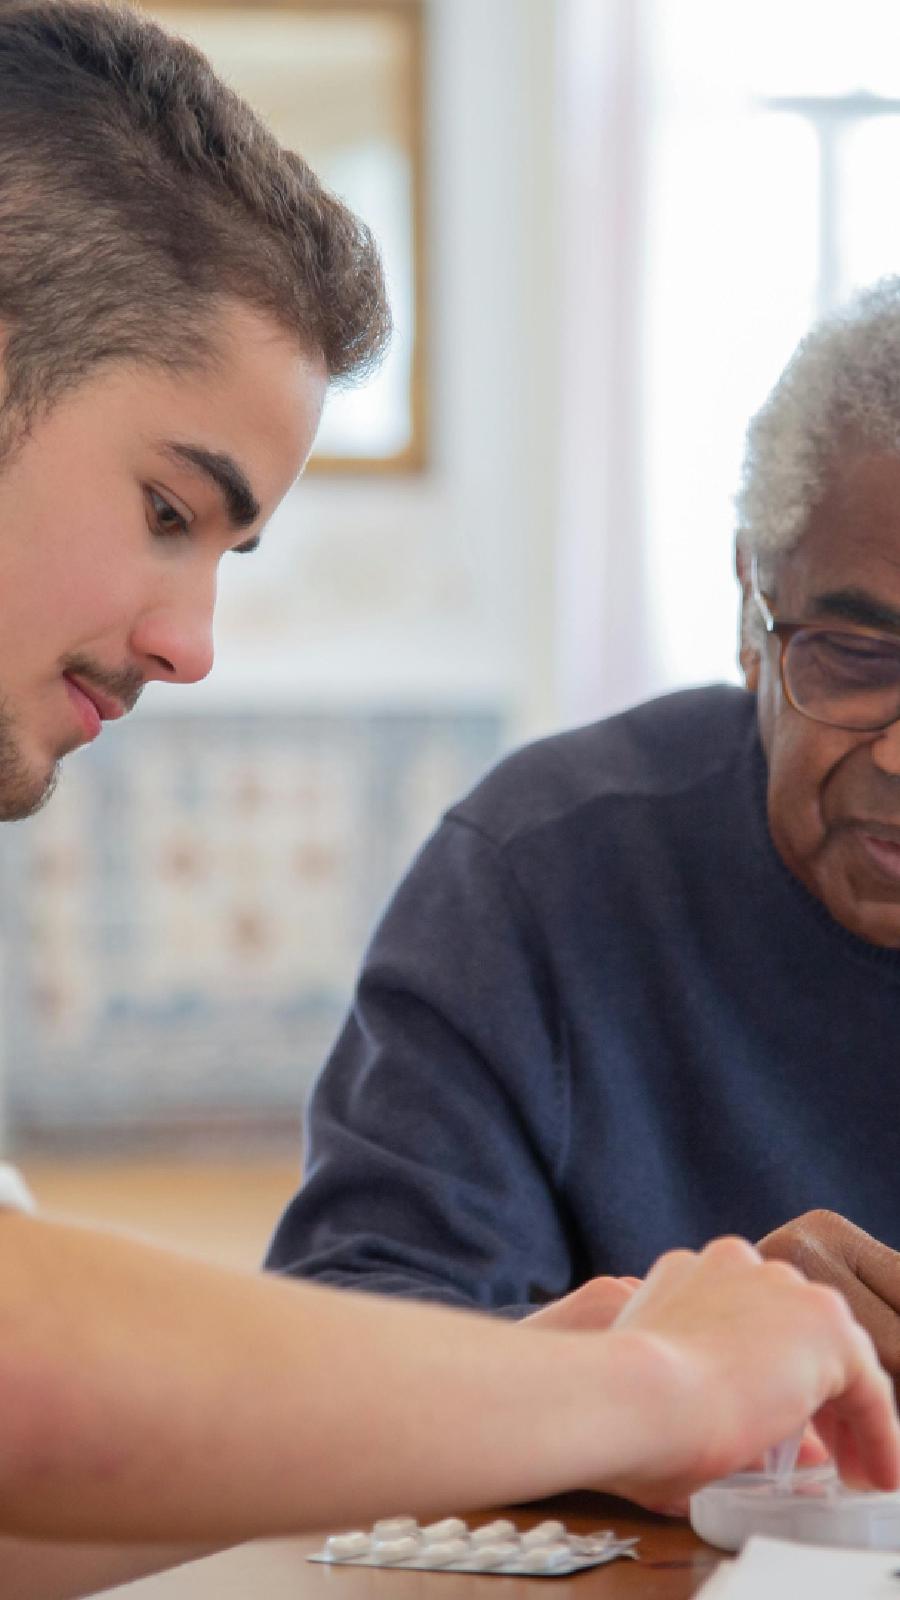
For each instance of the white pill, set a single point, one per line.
(492, 1531)
(547, 1558)
(495, 1555)
(442, 1553)
(450, 1528)
(544, 1533)
(590, 1544)
(394, 1527)
(389, 1551)
(344, 1546)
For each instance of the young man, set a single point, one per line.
(175, 294)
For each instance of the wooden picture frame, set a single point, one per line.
(360, 125)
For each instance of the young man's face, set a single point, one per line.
(114, 515)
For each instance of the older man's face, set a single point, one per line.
(834, 795)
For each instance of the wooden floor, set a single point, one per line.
(224, 1211)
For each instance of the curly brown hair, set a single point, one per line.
(137, 191)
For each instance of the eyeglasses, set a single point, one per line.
(848, 679)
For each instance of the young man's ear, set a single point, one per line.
(748, 654)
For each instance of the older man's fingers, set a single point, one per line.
(828, 1249)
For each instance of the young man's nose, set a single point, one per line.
(174, 643)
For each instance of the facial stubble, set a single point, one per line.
(21, 793)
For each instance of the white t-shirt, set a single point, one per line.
(14, 1193)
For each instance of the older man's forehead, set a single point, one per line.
(855, 525)
(846, 567)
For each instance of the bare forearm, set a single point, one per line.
(149, 1397)
(146, 1397)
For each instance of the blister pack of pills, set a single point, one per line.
(548, 1550)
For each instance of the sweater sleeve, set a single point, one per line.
(437, 1128)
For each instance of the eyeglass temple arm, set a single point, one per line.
(758, 595)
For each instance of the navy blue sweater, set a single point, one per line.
(599, 1019)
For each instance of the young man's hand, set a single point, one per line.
(730, 1354)
(828, 1249)
(589, 1309)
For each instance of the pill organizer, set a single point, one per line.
(809, 1506)
(547, 1550)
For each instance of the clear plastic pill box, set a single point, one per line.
(809, 1506)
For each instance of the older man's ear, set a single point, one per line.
(748, 654)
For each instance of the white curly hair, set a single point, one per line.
(842, 381)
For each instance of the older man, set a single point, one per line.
(644, 983)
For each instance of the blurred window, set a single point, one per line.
(773, 143)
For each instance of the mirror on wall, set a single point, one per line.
(340, 82)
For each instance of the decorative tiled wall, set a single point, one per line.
(182, 924)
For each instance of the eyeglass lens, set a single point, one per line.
(851, 680)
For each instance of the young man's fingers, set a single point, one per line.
(667, 1272)
(592, 1308)
(813, 1450)
(879, 1320)
(861, 1429)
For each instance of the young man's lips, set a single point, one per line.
(93, 707)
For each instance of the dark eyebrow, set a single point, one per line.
(241, 503)
(854, 605)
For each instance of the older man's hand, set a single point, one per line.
(829, 1249)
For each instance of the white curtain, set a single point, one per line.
(606, 656)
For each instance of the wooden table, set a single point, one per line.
(674, 1565)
